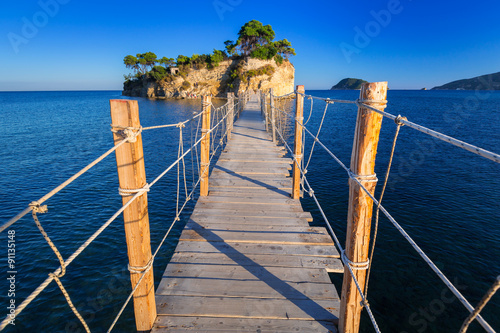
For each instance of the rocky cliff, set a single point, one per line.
(230, 76)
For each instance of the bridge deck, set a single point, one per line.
(247, 259)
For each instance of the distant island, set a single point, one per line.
(484, 82)
(254, 61)
(348, 84)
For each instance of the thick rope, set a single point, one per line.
(486, 298)
(36, 208)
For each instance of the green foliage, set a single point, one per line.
(167, 62)
(284, 48)
(185, 85)
(264, 52)
(264, 70)
(158, 73)
(230, 47)
(216, 57)
(279, 59)
(182, 60)
(253, 35)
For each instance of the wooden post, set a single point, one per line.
(359, 217)
(297, 147)
(273, 114)
(205, 145)
(131, 176)
(230, 115)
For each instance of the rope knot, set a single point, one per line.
(37, 208)
(399, 120)
(364, 178)
(355, 266)
(180, 125)
(124, 192)
(128, 133)
(311, 192)
(141, 269)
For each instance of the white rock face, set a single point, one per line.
(217, 81)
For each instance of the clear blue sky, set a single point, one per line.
(81, 44)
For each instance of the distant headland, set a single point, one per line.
(254, 61)
(483, 82)
(348, 84)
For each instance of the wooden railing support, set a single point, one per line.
(230, 114)
(205, 145)
(132, 176)
(359, 217)
(273, 114)
(297, 147)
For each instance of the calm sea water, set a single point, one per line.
(447, 199)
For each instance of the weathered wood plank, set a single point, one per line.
(265, 260)
(266, 237)
(216, 324)
(250, 200)
(245, 206)
(273, 288)
(247, 220)
(252, 213)
(248, 248)
(228, 307)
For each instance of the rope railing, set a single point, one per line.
(399, 122)
(220, 114)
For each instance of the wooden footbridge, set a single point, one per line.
(247, 259)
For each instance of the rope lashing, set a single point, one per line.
(37, 208)
(356, 266)
(141, 269)
(363, 178)
(125, 192)
(129, 133)
(399, 120)
(296, 156)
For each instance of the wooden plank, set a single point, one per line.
(256, 228)
(273, 288)
(250, 200)
(252, 213)
(205, 271)
(248, 248)
(266, 237)
(247, 220)
(265, 260)
(214, 324)
(245, 206)
(228, 307)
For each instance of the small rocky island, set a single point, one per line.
(348, 84)
(483, 82)
(254, 61)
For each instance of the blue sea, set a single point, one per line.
(447, 199)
